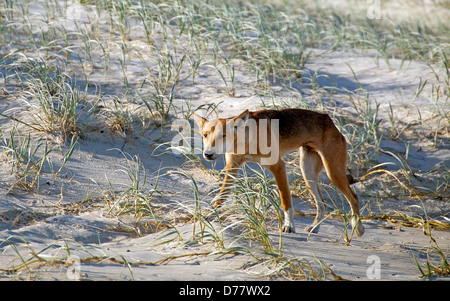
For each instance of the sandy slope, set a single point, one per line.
(49, 220)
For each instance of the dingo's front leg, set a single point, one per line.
(289, 225)
(233, 162)
(279, 171)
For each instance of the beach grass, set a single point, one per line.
(52, 54)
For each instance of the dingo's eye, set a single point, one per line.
(205, 135)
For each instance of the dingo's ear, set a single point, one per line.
(239, 120)
(199, 120)
(243, 117)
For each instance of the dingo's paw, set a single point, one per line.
(357, 226)
(312, 229)
(288, 229)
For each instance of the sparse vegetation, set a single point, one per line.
(76, 70)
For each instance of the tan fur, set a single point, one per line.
(320, 143)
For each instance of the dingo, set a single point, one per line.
(321, 144)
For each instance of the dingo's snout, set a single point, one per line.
(210, 156)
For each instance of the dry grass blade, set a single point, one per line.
(386, 172)
(402, 219)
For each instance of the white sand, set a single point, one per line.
(46, 221)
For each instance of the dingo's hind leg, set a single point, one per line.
(334, 157)
(311, 165)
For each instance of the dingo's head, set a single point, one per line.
(215, 134)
